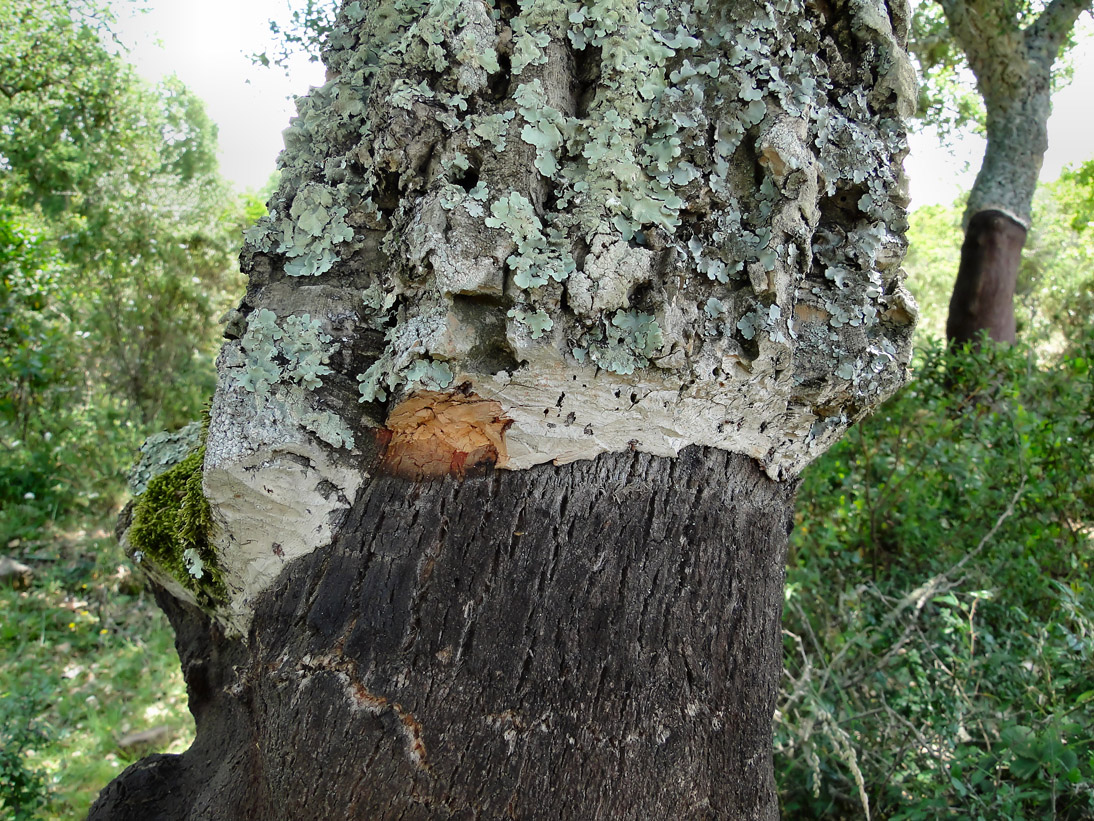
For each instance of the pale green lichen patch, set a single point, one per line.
(646, 190)
(493, 128)
(627, 343)
(384, 376)
(310, 233)
(538, 322)
(539, 257)
(162, 451)
(295, 350)
(284, 361)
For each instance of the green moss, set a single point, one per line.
(172, 521)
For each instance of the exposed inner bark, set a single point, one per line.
(983, 296)
(435, 434)
(598, 640)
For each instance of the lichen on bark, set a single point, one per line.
(688, 247)
(629, 226)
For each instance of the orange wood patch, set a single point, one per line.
(433, 434)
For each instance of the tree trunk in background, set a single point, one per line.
(983, 296)
(554, 302)
(998, 213)
(599, 640)
(1013, 68)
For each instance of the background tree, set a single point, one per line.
(117, 247)
(116, 239)
(1012, 50)
(310, 21)
(552, 305)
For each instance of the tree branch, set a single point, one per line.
(987, 33)
(958, 20)
(1046, 34)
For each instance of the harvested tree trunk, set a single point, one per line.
(1012, 57)
(552, 306)
(983, 296)
(998, 213)
(599, 640)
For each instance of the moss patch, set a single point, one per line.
(172, 521)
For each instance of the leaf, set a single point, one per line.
(1024, 768)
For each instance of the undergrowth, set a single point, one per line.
(87, 659)
(939, 623)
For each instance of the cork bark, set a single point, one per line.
(553, 303)
(594, 641)
(983, 296)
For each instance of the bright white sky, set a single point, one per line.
(206, 43)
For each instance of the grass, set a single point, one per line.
(88, 658)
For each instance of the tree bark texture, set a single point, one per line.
(553, 303)
(998, 214)
(983, 296)
(594, 641)
(1013, 67)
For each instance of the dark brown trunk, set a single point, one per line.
(983, 296)
(598, 640)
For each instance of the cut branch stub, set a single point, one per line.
(563, 231)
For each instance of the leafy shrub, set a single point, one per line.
(939, 614)
(23, 788)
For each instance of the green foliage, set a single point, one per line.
(940, 616)
(948, 99)
(117, 245)
(934, 252)
(1079, 183)
(23, 788)
(60, 90)
(49, 432)
(87, 658)
(35, 352)
(1055, 293)
(153, 258)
